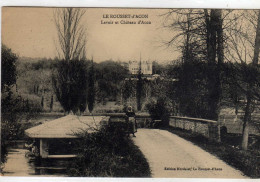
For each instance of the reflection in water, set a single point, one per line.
(20, 164)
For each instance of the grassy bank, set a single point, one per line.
(108, 153)
(246, 161)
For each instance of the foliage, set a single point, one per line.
(190, 89)
(70, 84)
(91, 88)
(108, 153)
(14, 108)
(110, 76)
(159, 111)
(8, 68)
(200, 37)
(158, 68)
(127, 89)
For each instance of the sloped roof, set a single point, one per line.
(65, 127)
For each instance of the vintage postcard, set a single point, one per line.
(130, 92)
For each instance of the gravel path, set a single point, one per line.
(171, 156)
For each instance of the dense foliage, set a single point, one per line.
(70, 83)
(110, 76)
(108, 153)
(8, 68)
(14, 108)
(159, 111)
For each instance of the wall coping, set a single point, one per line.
(195, 119)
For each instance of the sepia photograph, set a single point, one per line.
(130, 92)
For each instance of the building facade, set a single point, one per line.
(146, 67)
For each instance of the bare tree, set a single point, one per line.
(71, 33)
(244, 45)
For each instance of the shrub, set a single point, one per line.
(108, 153)
(159, 111)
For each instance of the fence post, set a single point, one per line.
(195, 127)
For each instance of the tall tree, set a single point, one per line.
(8, 68)
(199, 36)
(70, 75)
(139, 87)
(71, 33)
(70, 84)
(215, 55)
(91, 88)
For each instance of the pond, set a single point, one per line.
(20, 164)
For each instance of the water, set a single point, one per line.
(18, 164)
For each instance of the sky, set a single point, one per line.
(30, 32)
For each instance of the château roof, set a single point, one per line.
(65, 127)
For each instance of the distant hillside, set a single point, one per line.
(29, 59)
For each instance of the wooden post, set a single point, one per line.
(44, 148)
(195, 127)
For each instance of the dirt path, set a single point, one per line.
(172, 156)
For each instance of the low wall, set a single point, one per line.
(207, 128)
(142, 120)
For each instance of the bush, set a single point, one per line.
(108, 153)
(159, 111)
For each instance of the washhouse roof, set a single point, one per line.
(66, 127)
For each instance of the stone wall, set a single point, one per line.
(207, 128)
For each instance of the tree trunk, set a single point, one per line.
(247, 119)
(214, 48)
(139, 88)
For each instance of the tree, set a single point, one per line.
(51, 103)
(42, 102)
(243, 48)
(200, 37)
(214, 50)
(8, 71)
(91, 88)
(139, 88)
(70, 83)
(14, 108)
(8, 79)
(248, 110)
(71, 33)
(70, 76)
(109, 75)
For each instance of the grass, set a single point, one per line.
(108, 153)
(246, 161)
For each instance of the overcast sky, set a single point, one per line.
(31, 32)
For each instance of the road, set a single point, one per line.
(171, 156)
